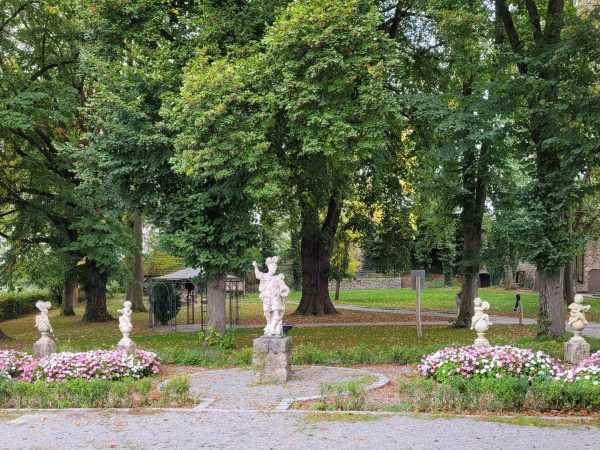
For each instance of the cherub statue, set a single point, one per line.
(42, 323)
(480, 307)
(273, 292)
(480, 322)
(125, 325)
(577, 319)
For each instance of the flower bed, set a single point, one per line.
(98, 364)
(587, 371)
(101, 364)
(493, 362)
(12, 363)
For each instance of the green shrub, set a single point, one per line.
(344, 396)
(166, 303)
(176, 391)
(497, 395)
(211, 338)
(16, 304)
(77, 393)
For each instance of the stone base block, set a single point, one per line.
(272, 358)
(126, 344)
(44, 347)
(576, 351)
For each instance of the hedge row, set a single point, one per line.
(16, 304)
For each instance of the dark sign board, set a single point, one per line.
(413, 279)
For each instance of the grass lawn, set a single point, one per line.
(341, 345)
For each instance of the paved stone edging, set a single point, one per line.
(286, 403)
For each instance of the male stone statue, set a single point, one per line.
(273, 292)
(272, 352)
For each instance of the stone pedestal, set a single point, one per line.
(44, 347)
(272, 358)
(576, 350)
(126, 343)
(481, 341)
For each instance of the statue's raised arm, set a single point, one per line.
(257, 273)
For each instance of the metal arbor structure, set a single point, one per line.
(171, 293)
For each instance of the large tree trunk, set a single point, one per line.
(95, 294)
(473, 206)
(215, 308)
(551, 319)
(316, 248)
(69, 299)
(509, 278)
(568, 283)
(135, 287)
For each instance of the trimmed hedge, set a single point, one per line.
(17, 304)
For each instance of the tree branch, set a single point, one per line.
(47, 67)
(15, 13)
(534, 19)
(511, 31)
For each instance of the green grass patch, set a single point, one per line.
(542, 422)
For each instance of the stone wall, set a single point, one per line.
(372, 283)
(591, 261)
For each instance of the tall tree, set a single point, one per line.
(41, 90)
(312, 113)
(554, 95)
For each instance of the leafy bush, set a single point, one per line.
(101, 364)
(493, 362)
(211, 338)
(166, 303)
(344, 396)
(12, 363)
(176, 390)
(17, 304)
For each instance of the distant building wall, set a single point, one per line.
(527, 273)
(591, 261)
(372, 283)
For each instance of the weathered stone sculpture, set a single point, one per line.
(272, 352)
(480, 322)
(577, 349)
(44, 346)
(125, 326)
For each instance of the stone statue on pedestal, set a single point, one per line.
(44, 346)
(480, 322)
(272, 353)
(125, 325)
(273, 292)
(577, 349)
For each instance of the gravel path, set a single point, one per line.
(236, 388)
(187, 429)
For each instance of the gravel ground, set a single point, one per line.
(237, 389)
(286, 430)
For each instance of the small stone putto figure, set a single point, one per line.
(480, 322)
(273, 292)
(577, 320)
(42, 323)
(125, 325)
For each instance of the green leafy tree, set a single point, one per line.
(45, 201)
(298, 116)
(553, 91)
